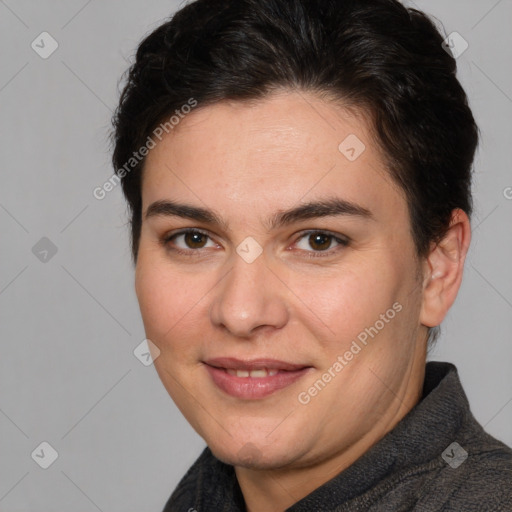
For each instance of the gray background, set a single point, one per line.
(68, 326)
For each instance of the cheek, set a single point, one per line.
(154, 300)
(342, 303)
(169, 308)
(174, 306)
(164, 299)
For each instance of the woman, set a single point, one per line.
(299, 179)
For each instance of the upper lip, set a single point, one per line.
(253, 364)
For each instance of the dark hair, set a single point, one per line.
(373, 54)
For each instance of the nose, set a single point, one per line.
(250, 298)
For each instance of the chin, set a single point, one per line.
(255, 455)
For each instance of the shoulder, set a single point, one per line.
(186, 493)
(208, 484)
(474, 476)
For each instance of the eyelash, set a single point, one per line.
(310, 254)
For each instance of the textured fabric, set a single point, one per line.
(404, 471)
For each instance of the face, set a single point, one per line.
(277, 276)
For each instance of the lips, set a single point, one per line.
(253, 379)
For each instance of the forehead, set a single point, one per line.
(269, 153)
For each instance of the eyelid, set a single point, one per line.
(337, 236)
(184, 231)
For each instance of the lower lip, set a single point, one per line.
(252, 388)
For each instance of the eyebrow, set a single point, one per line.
(330, 207)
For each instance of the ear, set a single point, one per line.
(443, 270)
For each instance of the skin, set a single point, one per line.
(247, 162)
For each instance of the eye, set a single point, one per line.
(187, 240)
(320, 242)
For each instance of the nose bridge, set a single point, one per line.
(248, 297)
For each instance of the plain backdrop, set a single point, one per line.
(69, 319)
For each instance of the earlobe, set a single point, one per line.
(444, 269)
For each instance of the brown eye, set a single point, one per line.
(320, 241)
(194, 239)
(187, 240)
